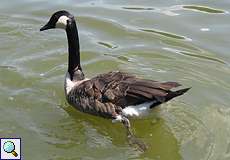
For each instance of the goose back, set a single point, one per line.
(107, 94)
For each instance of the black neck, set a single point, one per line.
(74, 50)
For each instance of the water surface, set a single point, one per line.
(162, 40)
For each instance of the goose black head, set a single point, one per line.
(59, 19)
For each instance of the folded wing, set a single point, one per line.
(123, 89)
(107, 94)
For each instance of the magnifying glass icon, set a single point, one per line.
(9, 147)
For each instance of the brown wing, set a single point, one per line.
(108, 93)
(123, 89)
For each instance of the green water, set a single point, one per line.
(185, 41)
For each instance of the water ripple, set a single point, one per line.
(195, 55)
(166, 34)
(204, 9)
(196, 137)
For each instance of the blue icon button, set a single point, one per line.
(9, 147)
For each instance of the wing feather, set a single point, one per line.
(123, 89)
(108, 93)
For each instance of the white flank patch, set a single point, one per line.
(70, 84)
(137, 110)
(62, 22)
(118, 119)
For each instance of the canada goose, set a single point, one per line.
(115, 95)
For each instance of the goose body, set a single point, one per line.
(115, 95)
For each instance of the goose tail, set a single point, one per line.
(173, 94)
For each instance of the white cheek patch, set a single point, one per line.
(62, 22)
